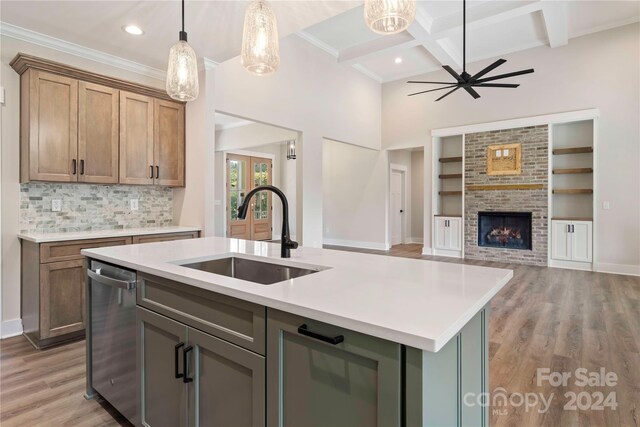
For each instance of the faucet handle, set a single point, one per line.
(291, 244)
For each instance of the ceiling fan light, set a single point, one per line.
(389, 16)
(260, 47)
(182, 74)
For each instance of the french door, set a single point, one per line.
(244, 173)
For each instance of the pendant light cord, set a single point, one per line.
(464, 35)
(183, 33)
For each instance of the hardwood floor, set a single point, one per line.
(46, 387)
(544, 318)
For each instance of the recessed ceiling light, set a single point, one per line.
(133, 29)
(398, 60)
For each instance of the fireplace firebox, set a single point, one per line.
(511, 230)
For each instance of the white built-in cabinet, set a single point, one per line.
(572, 240)
(448, 233)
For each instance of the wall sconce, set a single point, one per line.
(291, 150)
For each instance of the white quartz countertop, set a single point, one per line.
(418, 303)
(100, 234)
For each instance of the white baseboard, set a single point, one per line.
(415, 240)
(356, 244)
(10, 328)
(626, 269)
(570, 265)
(447, 253)
(427, 251)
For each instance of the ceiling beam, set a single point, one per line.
(554, 14)
(375, 47)
(489, 13)
(421, 31)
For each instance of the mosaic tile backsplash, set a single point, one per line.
(93, 207)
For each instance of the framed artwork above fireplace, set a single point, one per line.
(505, 159)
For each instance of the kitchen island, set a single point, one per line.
(351, 339)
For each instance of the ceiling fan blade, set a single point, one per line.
(472, 92)
(453, 73)
(504, 76)
(448, 93)
(433, 83)
(432, 90)
(509, 85)
(491, 67)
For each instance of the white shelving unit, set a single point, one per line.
(572, 147)
(448, 196)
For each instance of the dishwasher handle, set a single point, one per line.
(105, 280)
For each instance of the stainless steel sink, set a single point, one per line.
(265, 273)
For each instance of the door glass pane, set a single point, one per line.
(237, 186)
(264, 176)
(264, 205)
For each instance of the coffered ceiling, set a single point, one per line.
(435, 38)
(214, 27)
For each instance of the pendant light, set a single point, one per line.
(182, 75)
(260, 48)
(389, 16)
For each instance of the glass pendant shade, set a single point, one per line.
(291, 150)
(260, 48)
(182, 75)
(389, 16)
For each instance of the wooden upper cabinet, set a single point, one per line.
(98, 108)
(169, 149)
(79, 126)
(136, 139)
(49, 129)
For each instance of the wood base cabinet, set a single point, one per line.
(322, 375)
(190, 378)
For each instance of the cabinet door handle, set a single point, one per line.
(573, 228)
(175, 355)
(185, 365)
(157, 172)
(82, 167)
(74, 165)
(151, 167)
(303, 330)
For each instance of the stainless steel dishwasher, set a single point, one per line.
(111, 338)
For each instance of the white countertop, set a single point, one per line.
(418, 303)
(99, 234)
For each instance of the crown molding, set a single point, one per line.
(209, 64)
(19, 33)
(367, 72)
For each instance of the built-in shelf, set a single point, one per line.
(450, 176)
(448, 216)
(450, 159)
(450, 193)
(574, 150)
(573, 191)
(572, 171)
(505, 187)
(570, 218)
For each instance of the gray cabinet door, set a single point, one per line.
(229, 384)
(163, 396)
(312, 383)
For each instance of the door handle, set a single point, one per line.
(73, 162)
(573, 228)
(157, 172)
(151, 167)
(401, 211)
(175, 356)
(303, 330)
(185, 365)
(82, 167)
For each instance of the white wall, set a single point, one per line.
(313, 95)
(355, 182)
(417, 196)
(602, 71)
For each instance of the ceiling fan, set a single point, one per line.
(467, 81)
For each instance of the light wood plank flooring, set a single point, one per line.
(560, 319)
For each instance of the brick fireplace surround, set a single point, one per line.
(535, 160)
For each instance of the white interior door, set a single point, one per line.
(396, 207)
